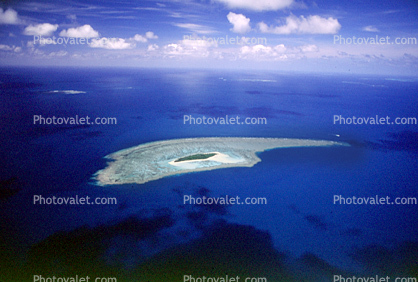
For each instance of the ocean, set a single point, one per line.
(300, 234)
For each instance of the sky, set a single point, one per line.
(355, 36)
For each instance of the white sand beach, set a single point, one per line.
(155, 160)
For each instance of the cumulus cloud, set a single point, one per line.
(257, 5)
(139, 38)
(370, 28)
(241, 24)
(150, 35)
(111, 43)
(280, 48)
(312, 25)
(260, 51)
(277, 53)
(85, 31)
(173, 49)
(45, 29)
(144, 38)
(9, 16)
(190, 47)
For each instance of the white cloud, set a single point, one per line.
(197, 28)
(276, 53)
(9, 16)
(5, 47)
(240, 23)
(173, 49)
(370, 28)
(144, 38)
(280, 48)
(190, 47)
(13, 48)
(312, 24)
(309, 48)
(111, 43)
(153, 47)
(257, 5)
(45, 29)
(264, 28)
(139, 38)
(197, 44)
(59, 54)
(85, 31)
(176, 15)
(263, 52)
(256, 49)
(150, 35)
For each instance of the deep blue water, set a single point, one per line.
(299, 183)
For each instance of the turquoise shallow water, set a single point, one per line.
(299, 233)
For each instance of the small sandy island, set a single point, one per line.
(194, 164)
(155, 160)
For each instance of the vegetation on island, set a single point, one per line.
(195, 157)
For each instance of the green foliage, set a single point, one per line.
(196, 157)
